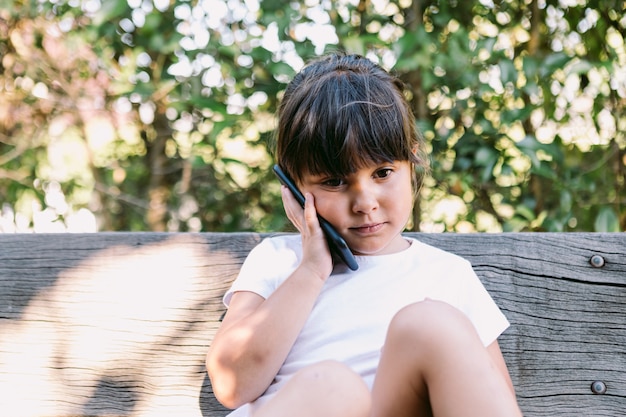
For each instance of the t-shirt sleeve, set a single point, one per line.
(480, 307)
(267, 266)
(457, 284)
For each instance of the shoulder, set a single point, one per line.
(432, 255)
(279, 251)
(267, 265)
(279, 244)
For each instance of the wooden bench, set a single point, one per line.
(118, 324)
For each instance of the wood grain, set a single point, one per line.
(117, 324)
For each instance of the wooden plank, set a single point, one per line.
(117, 324)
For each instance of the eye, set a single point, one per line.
(383, 173)
(333, 182)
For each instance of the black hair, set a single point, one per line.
(341, 113)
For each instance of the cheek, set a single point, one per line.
(330, 209)
(401, 196)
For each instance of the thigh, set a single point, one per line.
(328, 389)
(400, 388)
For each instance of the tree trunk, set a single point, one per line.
(158, 186)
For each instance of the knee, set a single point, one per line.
(431, 322)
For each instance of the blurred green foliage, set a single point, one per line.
(159, 115)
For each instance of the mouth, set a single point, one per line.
(367, 228)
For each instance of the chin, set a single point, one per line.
(386, 248)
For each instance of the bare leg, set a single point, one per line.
(434, 363)
(326, 389)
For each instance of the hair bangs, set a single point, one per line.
(342, 114)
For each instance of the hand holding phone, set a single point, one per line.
(336, 243)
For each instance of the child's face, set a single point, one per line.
(369, 208)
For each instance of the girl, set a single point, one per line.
(412, 332)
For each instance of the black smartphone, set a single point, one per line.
(336, 243)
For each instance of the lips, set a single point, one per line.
(368, 228)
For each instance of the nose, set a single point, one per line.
(364, 199)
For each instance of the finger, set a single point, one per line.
(310, 213)
(292, 208)
(313, 228)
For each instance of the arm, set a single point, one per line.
(257, 334)
(255, 338)
(496, 356)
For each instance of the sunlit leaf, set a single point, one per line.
(566, 201)
(507, 71)
(484, 156)
(606, 220)
(354, 44)
(553, 62)
(526, 212)
(110, 9)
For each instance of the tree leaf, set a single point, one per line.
(109, 10)
(606, 220)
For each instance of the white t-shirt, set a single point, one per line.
(349, 320)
